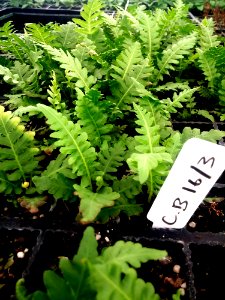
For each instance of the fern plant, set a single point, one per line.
(18, 158)
(101, 92)
(108, 275)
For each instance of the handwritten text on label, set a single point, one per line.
(196, 169)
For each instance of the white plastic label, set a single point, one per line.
(196, 169)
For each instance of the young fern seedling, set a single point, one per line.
(90, 275)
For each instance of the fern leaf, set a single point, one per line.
(92, 118)
(129, 91)
(8, 76)
(112, 284)
(40, 33)
(128, 188)
(17, 155)
(222, 93)
(213, 135)
(92, 17)
(57, 174)
(55, 95)
(173, 21)
(207, 37)
(111, 158)
(144, 164)
(151, 162)
(208, 66)
(173, 54)
(22, 293)
(57, 287)
(159, 113)
(148, 130)
(76, 276)
(65, 37)
(73, 142)
(172, 86)
(149, 34)
(91, 203)
(130, 71)
(72, 66)
(183, 96)
(126, 61)
(88, 247)
(126, 254)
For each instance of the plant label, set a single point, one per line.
(197, 168)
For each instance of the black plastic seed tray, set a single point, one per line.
(21, 16)
(198, 254)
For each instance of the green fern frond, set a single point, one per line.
(91, 203)
(151, 162)
(112, 284)
(55, 95)
(93, 118)
(222, 93)
(207, 38)
(56, 179)
(65, 36)
(218, 54)
(127, 60)
(172, 86)
(127, 254)
(172, 22)
(183, 96)
(72, 142)
(128, 92)
(111, 158)
(173, 54)
(17, 155)
(149, 34)
(128, 188)
(8, 76)
(159, 113)
(92, 17)
(213, 135)
(148, 130)
(208, 66)
(72, 67)
(40, 33)
(6, 29)
(131, 71)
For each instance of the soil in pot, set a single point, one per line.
(16, 247)
(208, 268)
(169, 274)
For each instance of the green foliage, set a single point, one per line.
(173, 55)
(108, 275)
(57, 174)
(17, 155)
(151, 161)
(93, 118)
(91, 14)
(72, 141)
(102, 90)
